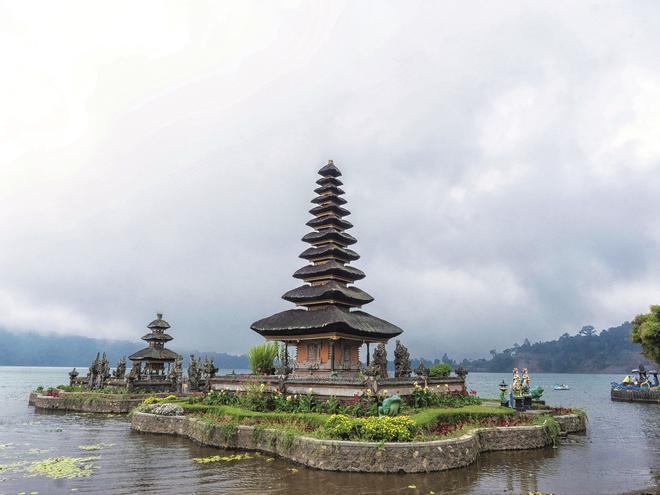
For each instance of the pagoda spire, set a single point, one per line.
(328, 319)
(329, 275)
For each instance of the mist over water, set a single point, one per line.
(619, 453)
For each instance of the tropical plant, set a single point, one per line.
(646, 331)
(262, 358)
(440, 369)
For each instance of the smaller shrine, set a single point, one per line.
(155, 367)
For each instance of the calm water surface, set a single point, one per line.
(620, 453)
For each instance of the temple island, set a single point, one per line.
(322, 406)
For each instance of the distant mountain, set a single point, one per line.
(33, 349)
(609, 351)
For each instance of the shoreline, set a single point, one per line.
(365, 457)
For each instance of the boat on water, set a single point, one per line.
(642, 386)
(563, 386)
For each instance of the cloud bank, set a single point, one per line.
(501, 164)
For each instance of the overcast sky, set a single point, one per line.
(500, 160)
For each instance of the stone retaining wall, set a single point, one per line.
(337, 455)
(342, 388)
(572, 423)
(80, 403)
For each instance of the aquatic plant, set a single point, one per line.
(222, 458)
(90, 447)
(35, 451)
(63, 467)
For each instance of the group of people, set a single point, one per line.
(641, 378)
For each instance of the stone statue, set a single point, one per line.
(379, 362)
(105, 367)
(422, 370)
(461, 372)
(525, 382)
(516, 384)
(209, 371)
(135, 371)
(120, 371)
(401, 361)
(194, 373)
(390, 406)
(92, 375)
(73, 374)
(133, 375)
(536, 393)
(175, 375)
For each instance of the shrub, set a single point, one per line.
(221, 398)
(440, 369)
(375, 429)
(262, 358)
(164, 409)
(439, 396)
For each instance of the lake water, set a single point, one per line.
(619, 454)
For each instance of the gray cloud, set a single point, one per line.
(500, 163)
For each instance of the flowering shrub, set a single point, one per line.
(164, 409)
(375, 429)
(157, 400)
(52, 392)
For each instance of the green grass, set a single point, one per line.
(428, 417)
(238, 413)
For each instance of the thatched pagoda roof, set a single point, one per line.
(331, 319)
(153, 354)
(328, 295)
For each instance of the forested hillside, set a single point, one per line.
(33, 349)
(609, 351)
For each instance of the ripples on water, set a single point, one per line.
(619, 454)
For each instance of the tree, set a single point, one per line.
(646, 331)
(587, 331)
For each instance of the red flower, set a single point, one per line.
(473, 392)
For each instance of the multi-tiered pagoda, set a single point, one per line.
(329, 332)
(154, 361)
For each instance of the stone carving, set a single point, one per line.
(390, 406)
(401, 361)
(536, 393)
(379, 362)
(134, 375)
(120, 371)
(176, 373)
(209, 371)
(525, 382)
(93, 371)
(422, 370)
(461, 372)
(194, 373)
(73, 374)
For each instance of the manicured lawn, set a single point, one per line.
(428, 417)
